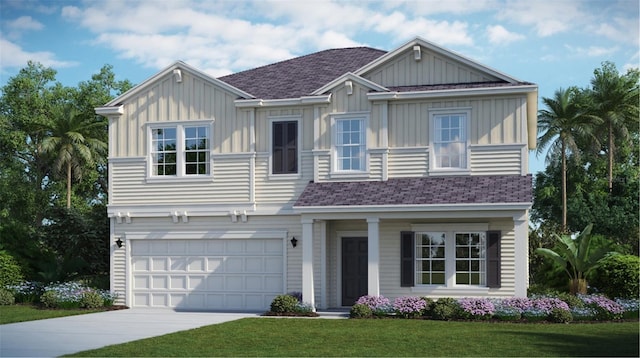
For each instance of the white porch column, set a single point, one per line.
(322, 226)
(374, 256)
(521, 248)
(308, 294)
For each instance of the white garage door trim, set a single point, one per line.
(226, 299)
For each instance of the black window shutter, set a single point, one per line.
(407, 265)
(493, 259)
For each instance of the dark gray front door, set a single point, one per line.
(354, 269)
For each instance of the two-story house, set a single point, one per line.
(337, 174)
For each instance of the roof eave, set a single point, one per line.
(411, 208)
(305, 100)
(391, 95)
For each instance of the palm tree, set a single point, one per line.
(615, 101)
(74, 141)
(560, 126)
(577, 256)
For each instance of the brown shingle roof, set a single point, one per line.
(489, 189)
(301, 76)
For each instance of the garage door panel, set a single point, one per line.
(159, 264)
(159, 282)
(196, 264)
(230, 274)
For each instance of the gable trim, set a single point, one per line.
(178, 65)
(350, 76)
(418, 41)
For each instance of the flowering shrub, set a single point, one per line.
(303, 307)
(631, 308)
(409, 306)
(507, 313)
(547, 304)
(519, 303)
(583, 313)
(477, 308)
(27, 291)
(605, 308)
(379, 305)
(296, 294)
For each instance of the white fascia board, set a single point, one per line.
(169, 70)
(411, 208)
(452, 93)
(350, 76)
(439, 50)
(109, 110)
(213, 234)
(251, 103)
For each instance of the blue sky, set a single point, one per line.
(552, 43)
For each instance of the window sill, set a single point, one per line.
(177, 179)
(349, 175)
(457, 291)
(444, 172)
(284, 176)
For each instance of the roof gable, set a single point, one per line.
(301, 76)
(175, 69)
(349, 77)
(418, 48)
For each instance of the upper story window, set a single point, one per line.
(284, 147)
(180, 150)
(449, 140)
(350, 144)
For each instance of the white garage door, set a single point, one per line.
(229, 274)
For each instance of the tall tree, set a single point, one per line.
(75, 142)
(615, 98)
(560, 126)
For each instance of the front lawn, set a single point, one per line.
(25, 312)
(386, 337)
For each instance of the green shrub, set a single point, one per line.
(617, 276)
(10, 271)
(445, 309)
(559, 315)
(91, 299)
(360, 310)
(284, 304)
(6, 297)
(50, 299)
(428, 309)
(572, 301)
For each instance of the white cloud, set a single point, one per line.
(547, 18)
(430, 7)
(24, 23)
(619, 30)
(498, 35)
(592, 51)
(13, 56)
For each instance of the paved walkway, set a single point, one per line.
(58, 336)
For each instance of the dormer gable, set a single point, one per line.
(349, 80)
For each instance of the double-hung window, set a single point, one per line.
(451, 258)
(449, 140)
(350, 144)
(284, 147)
(180, 150)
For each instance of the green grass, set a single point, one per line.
(386, 337)
(23, 313)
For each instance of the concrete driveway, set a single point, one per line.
(57, 336)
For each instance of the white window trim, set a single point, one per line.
(349, 174)
(450, 261)
(180, 153)
(297, 175)
(433, 169)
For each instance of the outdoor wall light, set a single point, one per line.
(294, 241)
(119, 243)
